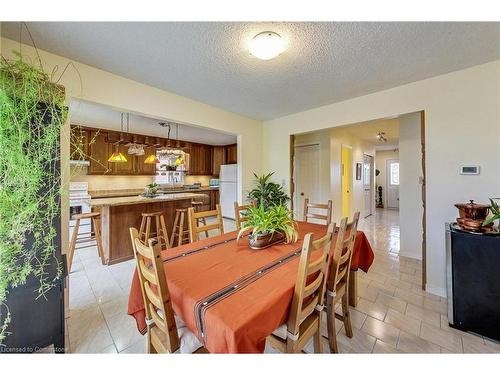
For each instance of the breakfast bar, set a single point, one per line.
(118, 214)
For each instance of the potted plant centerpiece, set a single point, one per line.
(269, 219)
(269, 226)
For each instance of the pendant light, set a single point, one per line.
(152, 159)
(117, 156)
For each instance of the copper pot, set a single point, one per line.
(473, 210)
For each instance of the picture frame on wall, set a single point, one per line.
(359, 168)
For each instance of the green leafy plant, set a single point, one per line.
(266, 192)
(495, 210)
(32, 112)
(275, 219)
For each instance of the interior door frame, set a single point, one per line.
(372, 181)
(294, 197)
(350, 179)
(388, 182)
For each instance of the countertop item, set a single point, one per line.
(139, 199)
(472, 210)
(133, 192)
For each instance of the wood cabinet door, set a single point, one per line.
(142, 168)
(79, 143)
(206, 160)
(218, 158)
(231, 154)
(214, 199)
(195, 160)
(99, 153)
(127, 167)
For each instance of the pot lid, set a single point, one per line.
(472, 205)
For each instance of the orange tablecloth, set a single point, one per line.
(240, 321)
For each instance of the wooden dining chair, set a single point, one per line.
(304, 321)
(337, 281)
(327, 217)
(194, 222)
(240, 219)
(166, 332)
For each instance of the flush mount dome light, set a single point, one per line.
(267, 45)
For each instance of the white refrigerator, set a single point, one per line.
(228, 187)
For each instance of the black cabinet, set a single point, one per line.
(473, 282)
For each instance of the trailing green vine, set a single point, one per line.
(32, 112)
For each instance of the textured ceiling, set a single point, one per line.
(324, 62)
(367, 131)
(103, 117)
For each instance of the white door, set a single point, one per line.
(367, 184)
(392, 173)
(306, 177)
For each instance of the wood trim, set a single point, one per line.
(292, 161)
(424, 199)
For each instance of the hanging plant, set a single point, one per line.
(32, 112)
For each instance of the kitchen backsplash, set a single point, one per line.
(97, 182)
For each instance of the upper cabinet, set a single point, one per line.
(97, 145)
(99, 152)
(218, 158)
(200, 159)
(231, 154)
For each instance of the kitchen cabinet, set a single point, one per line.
(200, 160)
(218, 159)
(79, 144)
(126, 167)
(99, 152)
(232, 154)
(142, 168)
(214, 198)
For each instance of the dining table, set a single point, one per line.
(231, 296)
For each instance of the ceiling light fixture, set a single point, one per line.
(267, 45)
(381, 137)
(117, 156)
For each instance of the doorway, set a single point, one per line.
(346, 179)
(306, 176)
(368, 185)
(392, 175)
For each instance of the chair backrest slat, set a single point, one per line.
(239, 217)
(341, 256)
(194, 224)
(327, 217)
(154, 288)
(310, 284)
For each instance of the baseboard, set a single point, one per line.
(437, 290)
(410, 255)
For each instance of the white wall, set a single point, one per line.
(461, 124)
(381, 157)
(410, 189)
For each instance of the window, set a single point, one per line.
(394, 173)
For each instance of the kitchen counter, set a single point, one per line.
(135, 192)
(139, 199)
(119, 214)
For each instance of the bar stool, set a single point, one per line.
(197, 208)
(160, 234)
(96, 223)
(180, 222)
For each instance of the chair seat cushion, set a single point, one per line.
(189, 343)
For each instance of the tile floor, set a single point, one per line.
(393, 314)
